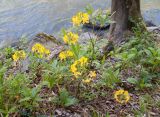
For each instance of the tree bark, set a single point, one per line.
(122, 11)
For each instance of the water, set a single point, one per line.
(29, 17)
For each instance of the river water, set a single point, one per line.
(29, 17)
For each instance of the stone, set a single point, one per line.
(153, 28)
(86, 36)
(97, 26)
(49, 41)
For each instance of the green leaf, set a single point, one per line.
(25, 99)
(107, 115)
(148, 52)
(158, 58)
(70, 101)
(131, 56)
(132, 80)
(11, 110)
(89, 9)
(65, 99)
(3, 111)
(148, 85)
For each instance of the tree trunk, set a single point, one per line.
(122, 11)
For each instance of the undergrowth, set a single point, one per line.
(78, 75)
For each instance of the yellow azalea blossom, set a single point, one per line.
(87, 80)
(76, 21)
(76, 74)
(47, 51)
(85, 18)
(80, 18)
(122, 96)
(66, 39)
(19, 55)
(70, 38)
(73, 68)
(63, 55)
(40, 49)
(69, 53)
(92, 74)
(83, 61)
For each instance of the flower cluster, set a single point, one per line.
(40, 49)
(19, 55)
(80, 18)
(83, 61)
(92, 74)
(63, 55)
(122, 96)
(77, 64)
(70, 38)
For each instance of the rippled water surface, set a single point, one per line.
(29, 17)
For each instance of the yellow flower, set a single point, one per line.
(63, 55)
(47, 52)
(87, 80)
(65, 38)
(76, 74)
(76, 21)
(79, 18)
(122, 96)
(85, 18)
(73, 38)
(73, 68)
(69, 53)
(19, 55)
(40, 49)
(70, 38)
(92, 74)
(83, 61)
